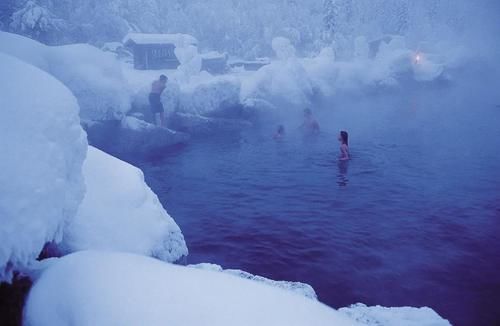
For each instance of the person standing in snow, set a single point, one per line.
(157, 87)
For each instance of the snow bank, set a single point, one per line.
(190, 62)
(200, 94)
(94, 76)
(206, 94)
(140, 84)
(283, 83)
(296, 287)
(101, 83)
(290, 82)
(120, 212)
(43, 148)
(283, 48)
(407, 316)
(103, 288)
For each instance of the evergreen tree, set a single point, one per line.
(7, 7)
(36, 21)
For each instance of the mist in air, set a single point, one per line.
(281, 162)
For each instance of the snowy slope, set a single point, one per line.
(99, 288)
(296, 287)
(121, 213)
(43, 148)
(105, 288)
(394, 316)
(94, 76)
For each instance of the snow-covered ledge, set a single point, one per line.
(43, 148)
(120, 212)
(299, 288)
(110, 288)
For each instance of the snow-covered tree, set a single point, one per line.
(241, 28)
(339, 25)
(36, 21)
(338, 17)
(7, 7)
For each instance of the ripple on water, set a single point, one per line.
(389, 227)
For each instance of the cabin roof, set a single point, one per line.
(213, 55)
(179, 40)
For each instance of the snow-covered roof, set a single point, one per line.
(176, 39)
(264, 61)
(213, 55)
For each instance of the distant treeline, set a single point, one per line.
(241, 28)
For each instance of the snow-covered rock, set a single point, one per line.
(202, 94)
(131, 135)
(297, 287)
(94, 76)
(360, 313)
(206, 94)
(190, 62)
(120, 212)
(283, 48)
(104, 288)
(407, 316)
(43, 148)
(285, 84)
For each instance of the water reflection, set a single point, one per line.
(342, 179)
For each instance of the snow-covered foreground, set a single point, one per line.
(401, 316)
(94, 76)
(297, 287)
(99, 288)
(104, 288)
(120, 212)
(43, 148)
(52, 194)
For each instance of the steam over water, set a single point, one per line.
(413, 219)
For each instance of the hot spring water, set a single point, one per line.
(413, 219)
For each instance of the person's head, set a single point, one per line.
(163, 79)
(281, 129)
(307, 113)
(344, 137)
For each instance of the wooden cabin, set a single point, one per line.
(156, 51)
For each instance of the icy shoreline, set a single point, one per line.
(85, 288)
(107, 207)
(113, 96)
